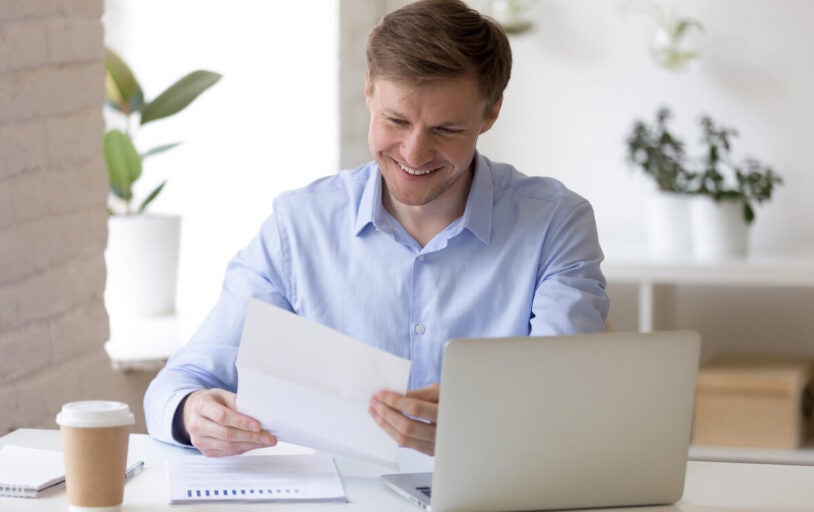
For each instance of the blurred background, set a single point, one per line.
(290, 109)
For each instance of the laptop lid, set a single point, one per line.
(595, 420)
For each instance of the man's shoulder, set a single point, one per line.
(511, 182)
(326, 195)
(341, 184)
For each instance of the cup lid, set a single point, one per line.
(95, 413)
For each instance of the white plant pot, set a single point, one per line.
(719, 230)
(142, 264)
(668, 224)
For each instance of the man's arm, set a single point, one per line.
(192, 401)
(570, 295)
(177, 408)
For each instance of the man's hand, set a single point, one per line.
(409, 419)
(217, 429)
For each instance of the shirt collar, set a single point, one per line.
(477, 216)
(371, 210)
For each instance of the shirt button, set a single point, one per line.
(419, 329)
(421, 258)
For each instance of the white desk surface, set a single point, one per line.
(710, 486)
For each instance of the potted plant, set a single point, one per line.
(718, 193)
(661, 156)
(142, 250)
(725, 195)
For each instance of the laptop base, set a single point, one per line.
(411, 486)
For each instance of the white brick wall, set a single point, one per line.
(53, 221)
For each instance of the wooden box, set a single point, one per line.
(754, 401)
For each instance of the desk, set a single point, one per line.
(710, 486)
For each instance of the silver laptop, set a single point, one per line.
(594, 420)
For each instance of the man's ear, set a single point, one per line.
(490, 116)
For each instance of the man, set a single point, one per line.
(430, 241)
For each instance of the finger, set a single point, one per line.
(236, 435)
(202, 429)
(410, 406)
(207, 435)
(428, 393)
(423, 446)
(406, 427)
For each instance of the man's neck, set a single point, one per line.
(425, 221)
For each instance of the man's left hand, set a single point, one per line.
(409, 419)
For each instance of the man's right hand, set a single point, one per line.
(217, 429)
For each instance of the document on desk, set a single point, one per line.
(195, 478)
(310, 385)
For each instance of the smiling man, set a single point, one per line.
(423, 138)
(430, 241)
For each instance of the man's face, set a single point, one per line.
(423, 137)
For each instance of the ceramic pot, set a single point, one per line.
(142, 264)
(719, 230)
(668, 224)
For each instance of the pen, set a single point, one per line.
(134, 470)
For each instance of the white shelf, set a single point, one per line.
(145, 343)
(651, 273)
(755, 271)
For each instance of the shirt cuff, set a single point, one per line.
(179, 432)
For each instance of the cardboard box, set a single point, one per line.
(754, 401)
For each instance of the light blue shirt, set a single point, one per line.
(523, 259)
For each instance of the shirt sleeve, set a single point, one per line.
(208, 360)
(570, 296)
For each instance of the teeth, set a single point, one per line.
(415, 172)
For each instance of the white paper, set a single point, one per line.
(195, 478)
(310, 385)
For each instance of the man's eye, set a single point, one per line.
(397, 121)
(448, 131)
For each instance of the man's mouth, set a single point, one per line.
(415, 172)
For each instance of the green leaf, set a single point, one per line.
(748, 213)
(123, 163)
(682, 26)
(113, 96)
(179, 95)
(152, 196)
(121, 87)
(159, 149)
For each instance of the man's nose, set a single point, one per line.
(417, 149)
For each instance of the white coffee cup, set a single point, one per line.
(95, 436)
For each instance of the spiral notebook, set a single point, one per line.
(31, 472)
(289, 478)
(28, 472)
